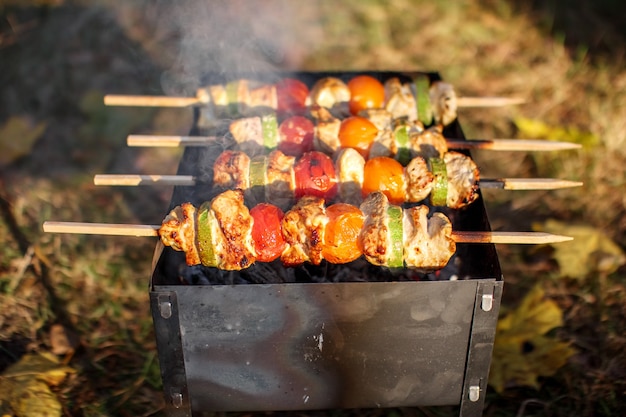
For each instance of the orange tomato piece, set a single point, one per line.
(341, 233)
(386, 175)
(366, 92)
(358, 133)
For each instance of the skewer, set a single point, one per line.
(189, 180)
(144, 230)
(491, 144)
(173, 101)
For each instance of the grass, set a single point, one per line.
(58, 58)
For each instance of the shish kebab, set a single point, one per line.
(419, 99)
(225, 234)
(450, 181)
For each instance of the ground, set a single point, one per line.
(85, 299)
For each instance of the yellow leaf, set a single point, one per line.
(536, 129)
(591, 250)
(17, 137)
(25, 386)
(522, 351)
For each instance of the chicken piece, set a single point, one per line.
(428, 243)
(232, 170)
(443, 101)
(384, 144)
(326, 134)
(178, 230)
(375, 236)
(280, 177)
(381, 118)
(349, 167)
(399, 100)
(419, 180)
(428, 143)
(235, 223)
(259, 98)
(463, 176)
(303, 229)
(333, 94)
(248, 133)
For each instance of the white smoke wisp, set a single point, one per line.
(233, 37)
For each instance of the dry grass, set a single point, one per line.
(58, 58)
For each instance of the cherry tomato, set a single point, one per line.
(358, 133)
(267, 233)
(296, 136)
(366, 92)
(384, 174)
(315, 175)
(291, 96)
(341, 235)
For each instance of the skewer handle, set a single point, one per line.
(512, 144)
(528, 183)
(150, 101)
(111, 229)
(137, 179)
(515, 238)
(168, 141)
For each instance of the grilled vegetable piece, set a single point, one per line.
(267, 235)
(303, 229)
(315, 175)
(358, 133)
(366, 92)
(385, 175)
(341, 236)
(349, 166)
(296, 135)
(292, 96)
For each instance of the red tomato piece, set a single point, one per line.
(296, 136)
(291, 96)
(267, 233)
(315, 175)
(366, 92)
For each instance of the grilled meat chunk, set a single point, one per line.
(248, 133)
(303, 229)
(350, 164)
(375, 236)
(178, 230)
(235, 223)
(280, 186)
(428, 243)
(333, 94)
(399, 100)
(443, 100)
(428, 143)
(463, 177)
(419, 180)
(326, 133)
(232, 170)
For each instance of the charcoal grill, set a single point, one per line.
(311, 338)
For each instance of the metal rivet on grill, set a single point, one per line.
(474, 393)
(165, 308)
(177, 399)
(487, 303)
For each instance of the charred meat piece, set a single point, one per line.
(463, 177)
(428, 243)
(303, 229)
(178, 230)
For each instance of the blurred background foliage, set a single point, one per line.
(85, 300)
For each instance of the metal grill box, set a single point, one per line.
(243, 345)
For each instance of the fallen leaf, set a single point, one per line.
(522, 350)
(591, 251)
(17, 137)
(25, 386)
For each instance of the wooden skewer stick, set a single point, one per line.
(144, 230)
(172, 101)
(189, 180)
(491, 144)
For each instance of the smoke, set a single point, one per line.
(233, 37)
